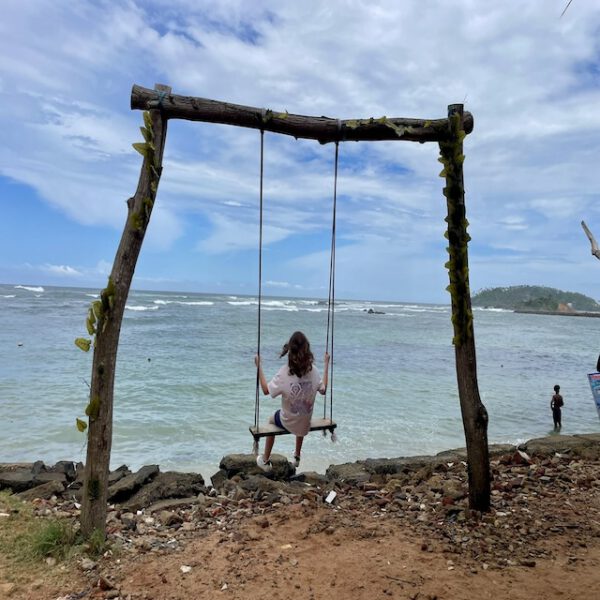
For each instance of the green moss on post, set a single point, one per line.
(452, 157)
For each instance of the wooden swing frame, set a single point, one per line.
(163, 105)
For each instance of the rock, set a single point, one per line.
(219, 479)
(391, 466)
(11, 467)
(50, 476)
(164, 486)
(128, 485)
(38, 467)
(258, 483)
(310, 478)
(129, 521)
(245, 464)
(118, 474)
(44, 491)
(87, 565)
(66, 467)
(170, 518)
(172, 503)
(548, 446)
(527, 563)
(351, 473)
(454, 456)
(17, 481)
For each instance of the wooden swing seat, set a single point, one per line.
(271, 429)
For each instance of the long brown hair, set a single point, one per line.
(300, 358)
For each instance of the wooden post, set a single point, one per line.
(108, 317)
(474, 413)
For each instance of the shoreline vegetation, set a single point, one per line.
(537, 300)
(373, 528)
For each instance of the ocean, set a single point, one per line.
(185, 381)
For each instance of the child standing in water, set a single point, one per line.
(556, 404)
(297, 383)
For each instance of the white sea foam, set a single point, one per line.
(29, 289)
(10, 296)
(500, 310)
(141, 308)
(190, 303)
(197, 303)
(93, 295)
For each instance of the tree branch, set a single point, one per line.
(595, 249)
(323, 129)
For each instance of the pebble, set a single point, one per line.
(87, 565)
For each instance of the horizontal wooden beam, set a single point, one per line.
(323, 129)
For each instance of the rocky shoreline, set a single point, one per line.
(559, 313)
(541, 489)
(143, 488)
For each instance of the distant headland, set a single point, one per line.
(537, 300)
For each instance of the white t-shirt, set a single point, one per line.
(298, 398)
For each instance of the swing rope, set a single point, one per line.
(331, 295)
(330, 299)
(260, 240)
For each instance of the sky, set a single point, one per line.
(530, 77)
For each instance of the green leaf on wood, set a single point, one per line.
(83, 344)
(146, 133)
(93, 408)
(81, 425)
(142, 148)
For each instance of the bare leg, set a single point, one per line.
(270, 440)
(299, 441)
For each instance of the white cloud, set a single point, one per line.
(65, 270)
(278, 284)
(527, 76)
(232, 235)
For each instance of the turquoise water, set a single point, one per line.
(185, 383)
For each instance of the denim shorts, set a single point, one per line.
(277, 419)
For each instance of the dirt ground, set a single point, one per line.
(408, 535)
(305, 553)
(358, 557)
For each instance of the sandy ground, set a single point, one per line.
(328, 555)
(306, 553)
(406, 536)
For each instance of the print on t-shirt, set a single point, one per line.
(302, 397)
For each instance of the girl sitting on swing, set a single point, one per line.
(298, 383)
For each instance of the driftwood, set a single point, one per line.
(323, 129)
(474, 413)
(95, 488)
(590, 235)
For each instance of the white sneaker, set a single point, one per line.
(295, 462)
(265, 466)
